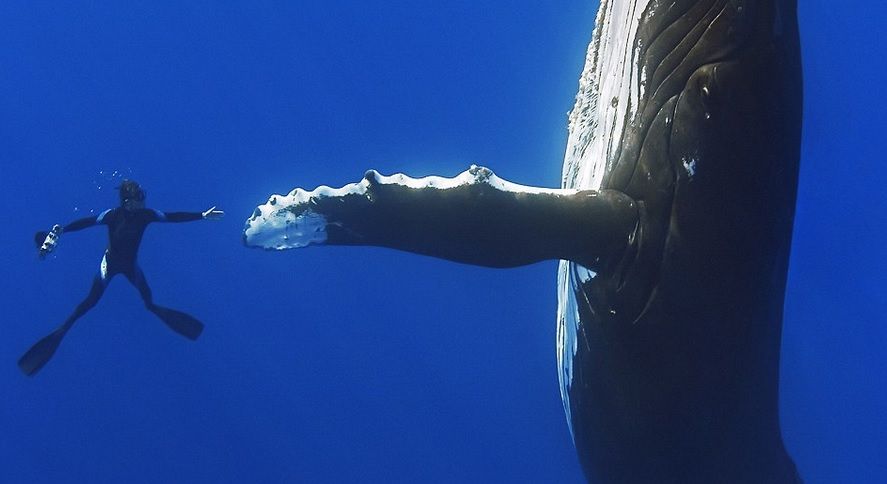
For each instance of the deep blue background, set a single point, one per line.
(334, 365)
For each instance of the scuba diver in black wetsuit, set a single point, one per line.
(126, 225)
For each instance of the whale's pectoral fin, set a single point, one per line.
(475, 218)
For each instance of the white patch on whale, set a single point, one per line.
(596, 125)
(690, 166)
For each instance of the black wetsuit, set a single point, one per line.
(125, 231)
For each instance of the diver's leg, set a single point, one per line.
(178, 321)
(137, 278)
(42, 351)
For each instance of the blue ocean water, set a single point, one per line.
(364, 364)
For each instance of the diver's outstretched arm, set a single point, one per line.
(210, 214)
(475, 218)
(47, 241)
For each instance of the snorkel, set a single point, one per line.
(132, 196)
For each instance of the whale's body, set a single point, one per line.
(669, 360)
(673, 226)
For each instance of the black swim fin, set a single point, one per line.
(39, 354)
(184, 324)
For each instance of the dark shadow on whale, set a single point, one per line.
(673, 225)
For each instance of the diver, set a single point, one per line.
(126, 225)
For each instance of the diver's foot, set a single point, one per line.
(184, 324)
(39, 354)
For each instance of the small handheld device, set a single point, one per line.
(50, 241)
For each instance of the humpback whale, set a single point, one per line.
(672, 226)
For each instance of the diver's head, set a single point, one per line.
(132, 197)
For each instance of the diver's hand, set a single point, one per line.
(213, 214)
(50, 241)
